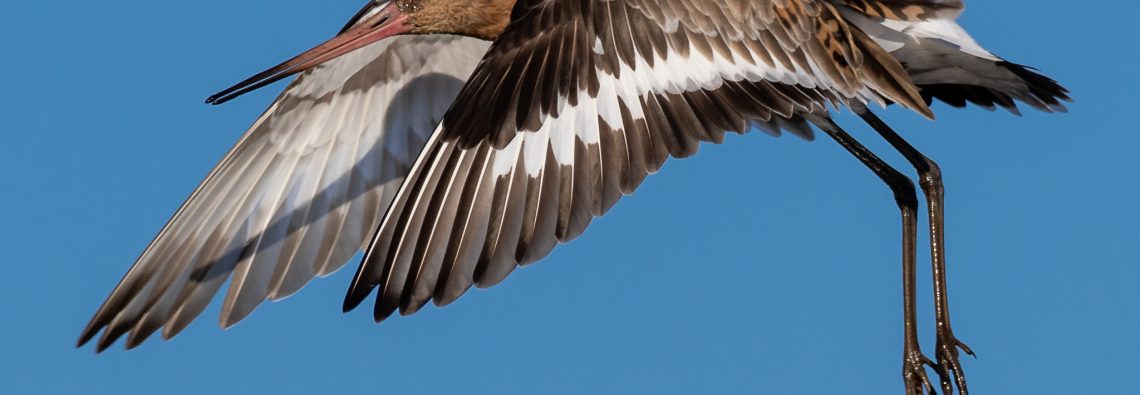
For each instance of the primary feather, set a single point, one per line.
(299, 194)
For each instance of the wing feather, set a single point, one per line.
(299, 194)
(905, 10)
(536, 147)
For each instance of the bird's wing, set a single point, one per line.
(299, 194)
(944, 61)
(577, 102)
(905, 10)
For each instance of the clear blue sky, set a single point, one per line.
(761, 265)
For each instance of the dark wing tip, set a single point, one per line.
(97, 324)
(360, 288)
(87, 335)
(136, 340)
(355, 296)
(109, 337)
(384, 308)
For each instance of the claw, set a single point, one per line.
(949, 370)
(966, 348)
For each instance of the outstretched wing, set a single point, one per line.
(944, 61)
(299, 194)
(578, 101)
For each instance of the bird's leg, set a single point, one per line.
(930, 178)
(914, 362)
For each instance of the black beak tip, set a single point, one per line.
(214, 99)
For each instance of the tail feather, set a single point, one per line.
(948, 65)
(1040, 92)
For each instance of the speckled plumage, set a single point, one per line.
(571, 107)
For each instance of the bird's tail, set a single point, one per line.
(947, 64)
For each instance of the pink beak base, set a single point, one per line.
(385, 23)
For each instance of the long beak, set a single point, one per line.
(372, 27)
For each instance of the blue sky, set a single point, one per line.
(761, 265)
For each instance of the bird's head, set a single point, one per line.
(483, 19)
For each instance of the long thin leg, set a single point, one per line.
(930, 178)
(914, 363)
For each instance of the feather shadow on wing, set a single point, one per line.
(588, 98)
(299, 194)
(551, 137)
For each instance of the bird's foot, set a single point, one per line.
(949, 369)
(914, 372)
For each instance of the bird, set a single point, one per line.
(455, 140)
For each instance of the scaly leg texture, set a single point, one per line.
(914, 362)
(930, 178)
